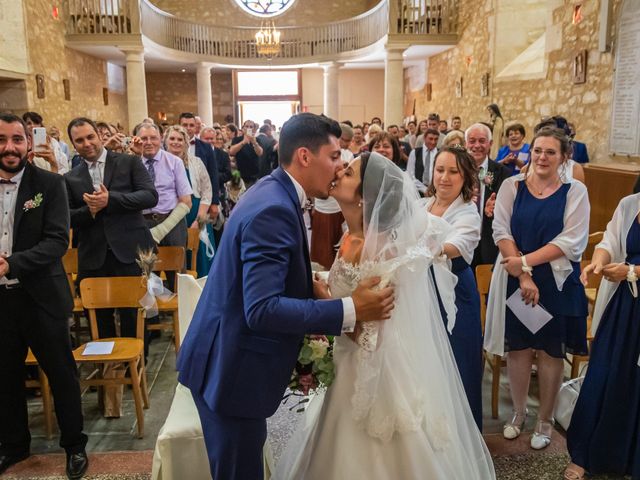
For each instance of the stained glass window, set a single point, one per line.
(265, 8)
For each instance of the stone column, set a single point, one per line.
(331, 106)
(205, 107)
(136, 86)
(393, 86)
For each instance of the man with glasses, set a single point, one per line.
(169, 176)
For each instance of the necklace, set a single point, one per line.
(539, 191)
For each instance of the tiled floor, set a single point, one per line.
(120, 434)
(108, 435)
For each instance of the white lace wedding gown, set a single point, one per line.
(352, 432)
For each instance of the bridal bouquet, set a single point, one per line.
(314, 368)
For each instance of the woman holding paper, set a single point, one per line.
(450, 196)
(541, 227)
(604, 434)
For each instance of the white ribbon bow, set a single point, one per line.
(155, 289)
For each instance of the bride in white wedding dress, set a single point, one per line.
(397, 408)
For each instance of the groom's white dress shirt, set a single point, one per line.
(348, 308)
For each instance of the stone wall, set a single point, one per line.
(49, 57)
(301, 13)
(523, 99)
(173, 93)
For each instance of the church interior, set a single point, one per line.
(395, 63)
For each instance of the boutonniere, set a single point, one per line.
(35, 202)
(486, 178)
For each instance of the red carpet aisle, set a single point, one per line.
(112, 466)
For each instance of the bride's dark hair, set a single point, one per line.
(382, 188)
(364, 161)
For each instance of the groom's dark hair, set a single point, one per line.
(305, 130)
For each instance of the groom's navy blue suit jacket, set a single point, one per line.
(256, 306)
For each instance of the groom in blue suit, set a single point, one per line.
(258, 303)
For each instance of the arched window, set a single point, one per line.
(265, 8)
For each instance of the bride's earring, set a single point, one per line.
(360, 204)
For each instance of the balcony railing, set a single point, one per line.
(421, 20)
(426, 17)
(102, 17)
(239, 42)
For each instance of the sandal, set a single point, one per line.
(541, 437)
(572, 472)
(513, 428)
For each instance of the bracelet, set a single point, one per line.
(631, 275)
(526, 268)
(632, 278)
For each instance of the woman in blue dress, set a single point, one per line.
(515, 154)
(604, 435)
(176, 141)
(541, 227)
(450, 196)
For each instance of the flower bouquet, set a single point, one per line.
(314, 369)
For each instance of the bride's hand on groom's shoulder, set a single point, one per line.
(320, 288)
(370, 303)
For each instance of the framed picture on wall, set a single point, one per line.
(580, 67)
(66, 85)
(484, 85)
(40, 86)
(105, 96)
(459, 88)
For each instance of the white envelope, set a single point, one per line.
(98, 348)
(534, 318)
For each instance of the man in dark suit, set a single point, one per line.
(107, 193)
(491, 175)
(215, 138)
(269, 157)
(239, 352)
(204, 152)
(35, 300)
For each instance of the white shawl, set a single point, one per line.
(572, 241)
(465, 220)
(615, 243)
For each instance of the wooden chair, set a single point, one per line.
(70, 263)
(193, 243)
(591, 290)
(170, 259)
(496, 362)
(43, 384)
(594, 239)
(117, 292)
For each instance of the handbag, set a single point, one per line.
(567, 398)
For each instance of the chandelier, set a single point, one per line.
(268, 39)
